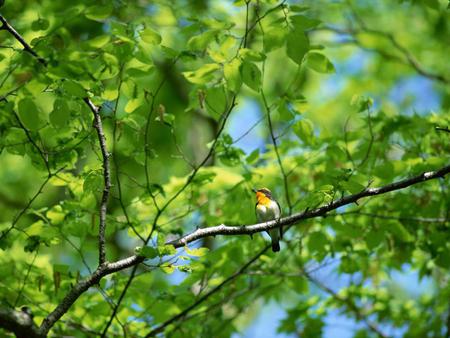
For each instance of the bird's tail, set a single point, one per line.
(275, 245)
(275, 236)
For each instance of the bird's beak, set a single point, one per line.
(254, 190)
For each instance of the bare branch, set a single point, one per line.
(107, 180)
(442, 129)
(122, 264)
(406, 58)
(19, 322)
(321, 211)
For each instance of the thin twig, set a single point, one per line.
(349, 303)
(321, 211)
(6, 26)
(277, 153)
(107, 180)
(199, 301)
(131, 261)
(412, 219)
(442, 129)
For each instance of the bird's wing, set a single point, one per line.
(279, 209)
(279, 216)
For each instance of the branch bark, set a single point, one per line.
(20, 323)
(101, 137)
(321, 211)
(6, 26)
(109, 268)
(106, 177)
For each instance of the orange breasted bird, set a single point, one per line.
(267, 209)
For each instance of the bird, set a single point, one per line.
(267, 209)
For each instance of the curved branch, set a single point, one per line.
(321, 211)
(20, 323)
(222, 229)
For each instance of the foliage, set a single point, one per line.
(164, 82)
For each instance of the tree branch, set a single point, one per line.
(277, 153)
(321, 211)
(6, 26)
(199, 301)
(20, 323)
(107, 180)
(222, 229)
(101, 137)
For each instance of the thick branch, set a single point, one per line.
(82, 286)
(322, 211)
(122, 264)
(19, 322)
(106, 177)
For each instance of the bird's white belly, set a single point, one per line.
(267, 213)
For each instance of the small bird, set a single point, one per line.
(267, 209)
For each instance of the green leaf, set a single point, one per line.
(146, 251)
(297, 45)
(304, 130)
(166, 118)
(273, 39)
(74, 88)
(132, 105)
(168, 268)
(197, 252)
(254, 155)
(398, 230)
(232, 74)
(201, 41)
(60, 115)
(56, 215)
(251, 75)
(202, 75)
(93, 182)
(99, 12)
(204, 176)
(32, 243)
(150, 36)
(62, 268)
(302, 23)
(166, 250)
(352, 186)
(251, 55)
(317, 242)
(319, 63)
(216, 101)
(29, 114)
(40, 24)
